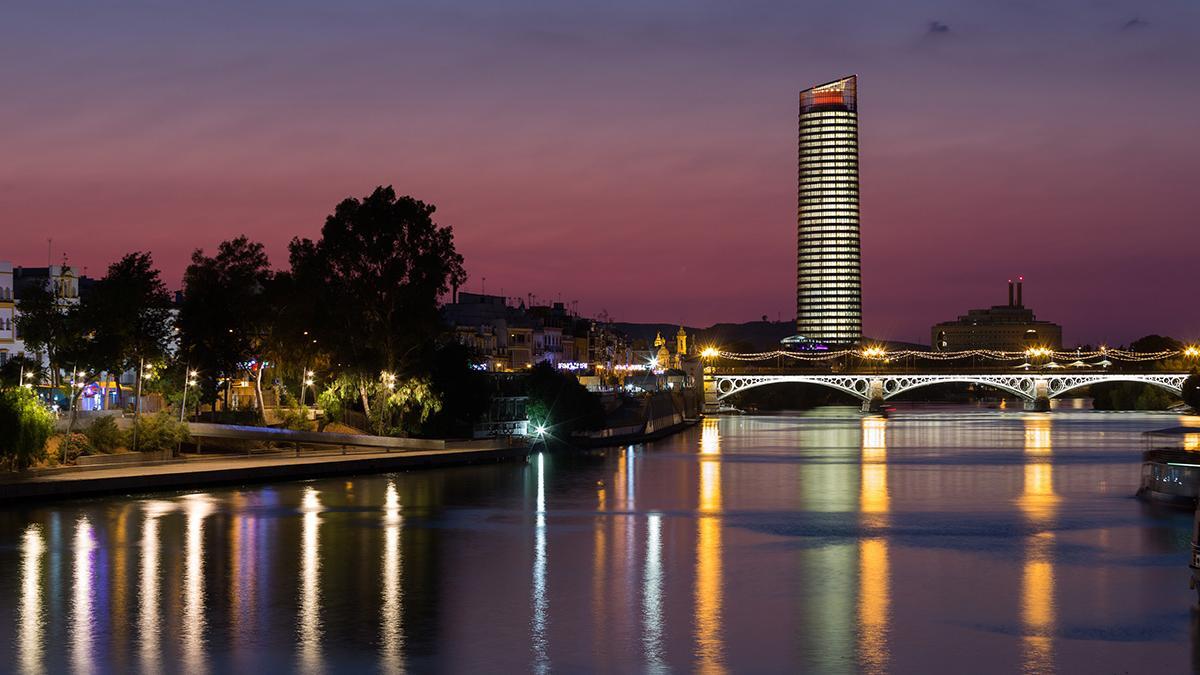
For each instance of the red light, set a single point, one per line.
(827, 97)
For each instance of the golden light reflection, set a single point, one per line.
(195, 621)
(310, 583)
(874, 603)
(30, 622)
(1191, 441)
(1038, 500)
(874, 488)
(710, 650)
(1037, 604)
(599, 571)
(148, 575)
(874, 570)
(391, 617)
(1039, 503)
(81, 607)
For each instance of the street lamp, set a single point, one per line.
(308, 382)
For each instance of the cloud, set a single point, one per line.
(1135, 23)
(938, 28)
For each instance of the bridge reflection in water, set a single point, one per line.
(709, 594)
(874, 589)
(1039, 503)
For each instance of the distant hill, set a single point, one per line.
(753, 335)
(758, 336)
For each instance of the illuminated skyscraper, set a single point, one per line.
(828, 282)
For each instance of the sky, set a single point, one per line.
(637, 158)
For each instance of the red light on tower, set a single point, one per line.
(828, 97)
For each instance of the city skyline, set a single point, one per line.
(977, 162)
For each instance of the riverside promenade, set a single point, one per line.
(197, 471)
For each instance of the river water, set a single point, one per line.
(948, 539)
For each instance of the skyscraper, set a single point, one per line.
(828, 281)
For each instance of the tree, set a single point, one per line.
(375, 278)
(48, 326)
(128, 316)
(559, 404)
(465, 393)
(20, 369)
(1191, 391)
(1155, 343)
(224, 313)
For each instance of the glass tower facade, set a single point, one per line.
(828, 281)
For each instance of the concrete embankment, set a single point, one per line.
(658, 415)
(231, 470)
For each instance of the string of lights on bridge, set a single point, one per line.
(883, 354)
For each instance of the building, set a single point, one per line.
(1008, 328)
(828, 280)
(8, 315)
(67, 287)
(513, 337)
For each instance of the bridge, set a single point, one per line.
(1035, 389)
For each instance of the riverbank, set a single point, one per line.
(653, 417)
(205, 471)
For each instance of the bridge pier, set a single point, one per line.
(1040, 402)
(873, 403)
(711, 405)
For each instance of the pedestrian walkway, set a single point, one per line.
(198, 470)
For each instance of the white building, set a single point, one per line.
(9, 345)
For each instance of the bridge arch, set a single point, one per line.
(857, 386)
(1061, 384)
(894, 385)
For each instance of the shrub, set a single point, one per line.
(157, 433)
(72, 446)
(25, 425)
(295, 419)
(104, 435)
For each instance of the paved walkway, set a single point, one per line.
(198, 471)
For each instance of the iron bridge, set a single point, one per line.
(1036, 389)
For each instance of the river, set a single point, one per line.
(940, 539)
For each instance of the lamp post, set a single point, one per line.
(188, 382)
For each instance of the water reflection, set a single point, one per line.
(541, 656)
(148, 577)
(874, 585)
(710, 655)
(1039, 504)
(652, 633)
(196, 508)
(310, 583)
(851, 543)
(390, 618)
(243, 556)
(82, 621)
(30, 621)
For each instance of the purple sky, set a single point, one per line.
(636, 157)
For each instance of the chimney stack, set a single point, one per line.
(1020, 280)
(1010, 293)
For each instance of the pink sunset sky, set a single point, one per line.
(636, 157)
